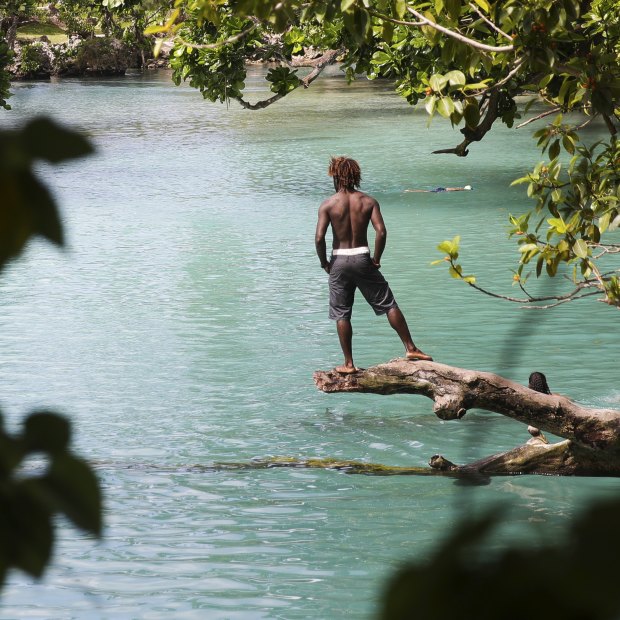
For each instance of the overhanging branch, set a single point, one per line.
(458, 36)
(319, 64)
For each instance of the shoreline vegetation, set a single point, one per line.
(42, 51)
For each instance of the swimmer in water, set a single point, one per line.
(438, 190)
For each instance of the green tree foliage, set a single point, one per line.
(466, 62)
(571, 579)
(5, 79)
(66, 484)
(12, 14)
(125, 20)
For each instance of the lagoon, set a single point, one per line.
(182, 324)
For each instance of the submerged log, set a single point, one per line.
(593, 446)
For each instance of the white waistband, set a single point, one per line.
(350, 251)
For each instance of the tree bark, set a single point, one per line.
(593, 446)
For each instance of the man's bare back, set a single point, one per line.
(349, 213)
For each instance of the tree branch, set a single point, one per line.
(540, 116)
(456, 390)
(557, 299)
(459, 37)
(487, 21)
(328, 58)
(475, 135)
(259, 105)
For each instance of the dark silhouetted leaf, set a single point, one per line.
(76, 491)
(47, 432)
(44, 139)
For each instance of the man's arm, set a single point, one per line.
(376, 219)
(319, 238)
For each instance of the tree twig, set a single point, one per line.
(398, 22)
(503, 81)
(557, 299)
(488, 21)
(537, 118)
(259, 105)
(458, 36)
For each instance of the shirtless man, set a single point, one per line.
(349, 212)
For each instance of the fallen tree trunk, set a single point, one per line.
(593, 446)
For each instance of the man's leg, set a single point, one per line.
(399, 324)
(345, 335)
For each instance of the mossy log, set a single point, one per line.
(593, 435)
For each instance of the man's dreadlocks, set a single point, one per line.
(346, 173)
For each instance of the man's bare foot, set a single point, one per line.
(414, 356)
(346, 370)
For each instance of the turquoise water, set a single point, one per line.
(182, 325)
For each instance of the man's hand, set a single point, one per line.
(376, 263)
(326, 267)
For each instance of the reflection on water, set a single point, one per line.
(184, 322)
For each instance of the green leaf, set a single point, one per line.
(476, 85)
(558, 225)
(357, 23)
(554, 149)
(580, 248)
(544, 81)
(157, 48)
(400, 7)
(453, 8)
(484, 5)
(455, 272)
(445, 107)
(387, 32)
(447, 247)
(539, 265)
(568, 144)
(430, 104)
(455, 78)
(345, 5)
(156, 29)
(604, 221)
(437, 82)
(380, 58)
(472, 115)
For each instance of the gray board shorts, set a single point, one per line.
(348, 273)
